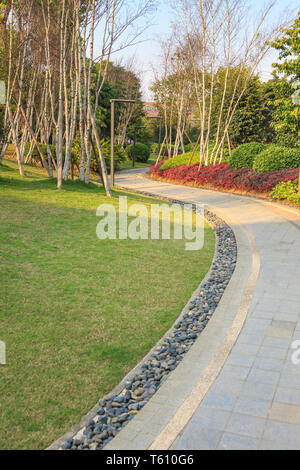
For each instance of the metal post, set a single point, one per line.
(112, 141)
(159, 139)
(133, 154)
(112, 135)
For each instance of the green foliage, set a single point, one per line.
(287, 190)
(180, 160)
(35, 155)
(154, 148)
(3, 129)
(184, 158)
(142, 152)
(243, 156)
(286, 113)
(249, 121)
(60, 283)
(190, 147)
(119, 154)
(289, 51)
(276, 158)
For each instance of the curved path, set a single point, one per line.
(238, 387)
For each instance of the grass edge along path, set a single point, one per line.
(76, 313)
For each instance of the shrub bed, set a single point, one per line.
(243, 156)
(221, 176)
(286, 190)
(276, 158)
(180, 160)
(184, 159)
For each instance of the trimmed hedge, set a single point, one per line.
(286, 191)
(276, 158)
(243, 156)
(142, 152)
(184, 159)
(180, 160)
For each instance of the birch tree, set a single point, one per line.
(220, 34)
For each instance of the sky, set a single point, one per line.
(146, 54)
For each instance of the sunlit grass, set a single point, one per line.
(76, 313)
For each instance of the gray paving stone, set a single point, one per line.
(282, 343)
(256, 326)
(290, 317)
(271, 445)
(210, 418)
(249, 339)
(282, 433)
(290, 381)
(249, 349)
(268, 363)
(252, 406)
(235, 372)
(224, 401)
(290, 368)
(197, 438)
(275, 353)
(245, 425)
(288, 395)
(289, 306)
(259, 390)
(225, 384)
(259, 368)
(236, 442)
(266, 314)
(263, 376)
(238, 359)
(281, 329)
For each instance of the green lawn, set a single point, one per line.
(127, 165)
(76, 313)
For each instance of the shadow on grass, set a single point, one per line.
(38, 182)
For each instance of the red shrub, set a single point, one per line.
(222, 176)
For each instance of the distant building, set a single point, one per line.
(150, 110)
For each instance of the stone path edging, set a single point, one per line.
(187, 409)
(57, 445)
(174, 404)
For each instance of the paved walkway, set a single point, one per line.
(253, 401)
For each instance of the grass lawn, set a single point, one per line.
(76, 313)
(127, 165)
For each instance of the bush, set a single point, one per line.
(180, 160)
(223, 177)
(276, 158)
(184, 159)
(287, 190)
(154, 148)
(35, 155)
(142, 152)
(243, 156)
(119, 154)
(190, 147)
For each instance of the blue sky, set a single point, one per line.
(146, 54)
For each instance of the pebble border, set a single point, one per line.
(117, 409)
